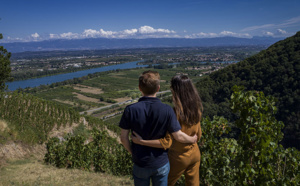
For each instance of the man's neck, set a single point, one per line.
(152, 95)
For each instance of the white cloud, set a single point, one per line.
(290, 22)
(280, 31)
(69, 35)
(202, 35)
(268, 33)
(151, 30)
(227, 33)
(221, 34)
(35, 35)
(136, 33)
(142, 32)
(107, 33)
(90, 33)
(232, 34)
(53, 36)
(287, 23)
(276, 33)
(258, 27)
(130, 32)
(146, 30)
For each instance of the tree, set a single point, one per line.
(4, 66)
(256, 157)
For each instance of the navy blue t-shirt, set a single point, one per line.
(151, 119)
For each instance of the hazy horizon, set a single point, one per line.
(25, 21)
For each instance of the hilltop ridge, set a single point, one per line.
(275, 71)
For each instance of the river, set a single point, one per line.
(62, 77)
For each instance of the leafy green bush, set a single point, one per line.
(255, 158)
(101, 154)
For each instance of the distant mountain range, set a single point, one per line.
(103, 43)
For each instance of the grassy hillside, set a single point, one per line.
(275, 71)
(27, 122)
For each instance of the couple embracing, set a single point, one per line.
(163, 139)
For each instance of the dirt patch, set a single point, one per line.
(64, 101)
(69, 129)
(113, 135)
(85, 98)
(122, 99)
(88, 89)
(17, 150)
(3, 125)
(62, 130)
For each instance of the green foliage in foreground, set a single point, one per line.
(255, 158)
(101, 154)
(102, 125)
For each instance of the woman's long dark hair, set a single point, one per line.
(186, 100)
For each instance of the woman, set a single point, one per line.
(184, 158)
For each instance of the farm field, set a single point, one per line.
(108, 88)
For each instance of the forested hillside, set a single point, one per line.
(275, 71)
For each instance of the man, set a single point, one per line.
(151, 119)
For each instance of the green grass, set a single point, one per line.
(61, 93)
(114, 120)
(66, 93)
(81, 130)
(34, 172)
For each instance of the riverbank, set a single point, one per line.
(62, 77)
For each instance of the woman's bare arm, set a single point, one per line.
(150, 143)
(125, 140)
(183, 137)
(179, 136)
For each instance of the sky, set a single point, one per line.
(37, 20)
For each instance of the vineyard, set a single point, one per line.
(255, 158)
(101, 153)
(33, 118)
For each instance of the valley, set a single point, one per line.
(74, 123)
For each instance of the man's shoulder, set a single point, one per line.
(155, 102)
(133, 105)
(142, 104)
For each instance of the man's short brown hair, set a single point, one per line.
(149, 82)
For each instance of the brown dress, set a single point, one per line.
(184, 158)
